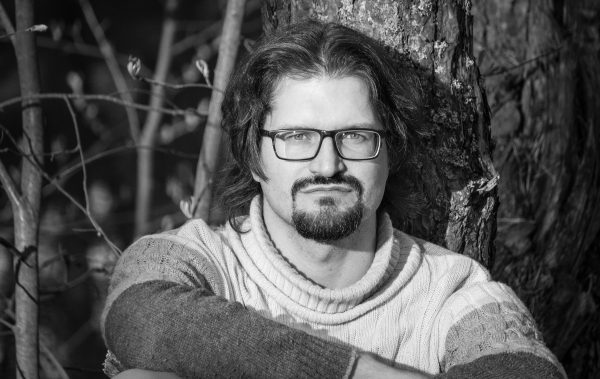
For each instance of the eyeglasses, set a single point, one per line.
(304, 144)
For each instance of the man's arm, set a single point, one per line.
(505, 366)
(165, 326)
(169, 320)
(489, 333)
(163, 315)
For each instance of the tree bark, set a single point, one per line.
(447, 191)
(541, 64)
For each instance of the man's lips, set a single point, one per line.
(326, 188)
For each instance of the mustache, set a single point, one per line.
(339, 178)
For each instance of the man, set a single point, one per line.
(309, 278)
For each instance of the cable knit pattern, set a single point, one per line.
(497, 327)
(418, 304)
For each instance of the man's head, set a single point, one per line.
(325, 77)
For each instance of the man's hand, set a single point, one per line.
(145, 374)
(367, 366)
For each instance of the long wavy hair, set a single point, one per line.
(301, 51)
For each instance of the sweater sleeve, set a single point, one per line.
(164, 326)
(163, 314)
(489, 333)
(505, 366)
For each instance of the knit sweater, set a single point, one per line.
(200, 302)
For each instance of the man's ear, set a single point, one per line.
(255, 177)
(258, 178)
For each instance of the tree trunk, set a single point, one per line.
(447, 191)
(541, 64)
(26, 216)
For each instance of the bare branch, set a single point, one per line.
(26, 218)
(113, 66)
(210, 32)
(7, 24)
(60, 372)
(8, 325)
(145, 160)
(97, 227)
(74, 282)
(211, 141)
(32, 29)
(72, 169)
(54, 182)
(10, 187)
(86, 209)
(111, 99)
(200, 38)
(179, 86)
(162, 69)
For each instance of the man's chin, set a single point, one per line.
(327, 223)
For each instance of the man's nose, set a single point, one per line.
(327, 162)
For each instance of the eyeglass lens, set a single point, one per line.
(304, 144)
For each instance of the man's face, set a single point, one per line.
(328, 197)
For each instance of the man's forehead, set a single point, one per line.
(308, 101)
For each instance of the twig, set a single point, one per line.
(10, 247)
(211, 141)
(8, 325)
(84, 184)
(69, 171)
(210, 32)
(134, 65)
(8, 26)
(54, 182)
(10, 187)
(32, 29)
(116, 150)
(178, 86)
(59, 369)
(73, 283)
(523, 63)
(113, 66)
(98, 229)
(83, 168)
(112, 99)
(206, 34)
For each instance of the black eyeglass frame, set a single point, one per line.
(325, 133)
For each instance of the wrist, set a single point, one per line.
(368, 366)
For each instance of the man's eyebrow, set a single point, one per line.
(361, 125)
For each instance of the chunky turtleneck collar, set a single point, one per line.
(396, 260)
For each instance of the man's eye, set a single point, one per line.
(353, 136)
(298, 136)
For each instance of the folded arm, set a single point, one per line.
(165, 326)
(166, 312)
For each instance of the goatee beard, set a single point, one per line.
(328, 223)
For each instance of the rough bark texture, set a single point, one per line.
(540, 61)
(26, 220)
(447, 192)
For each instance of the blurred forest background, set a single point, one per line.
(540, 64)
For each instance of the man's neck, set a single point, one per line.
(335, 264)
